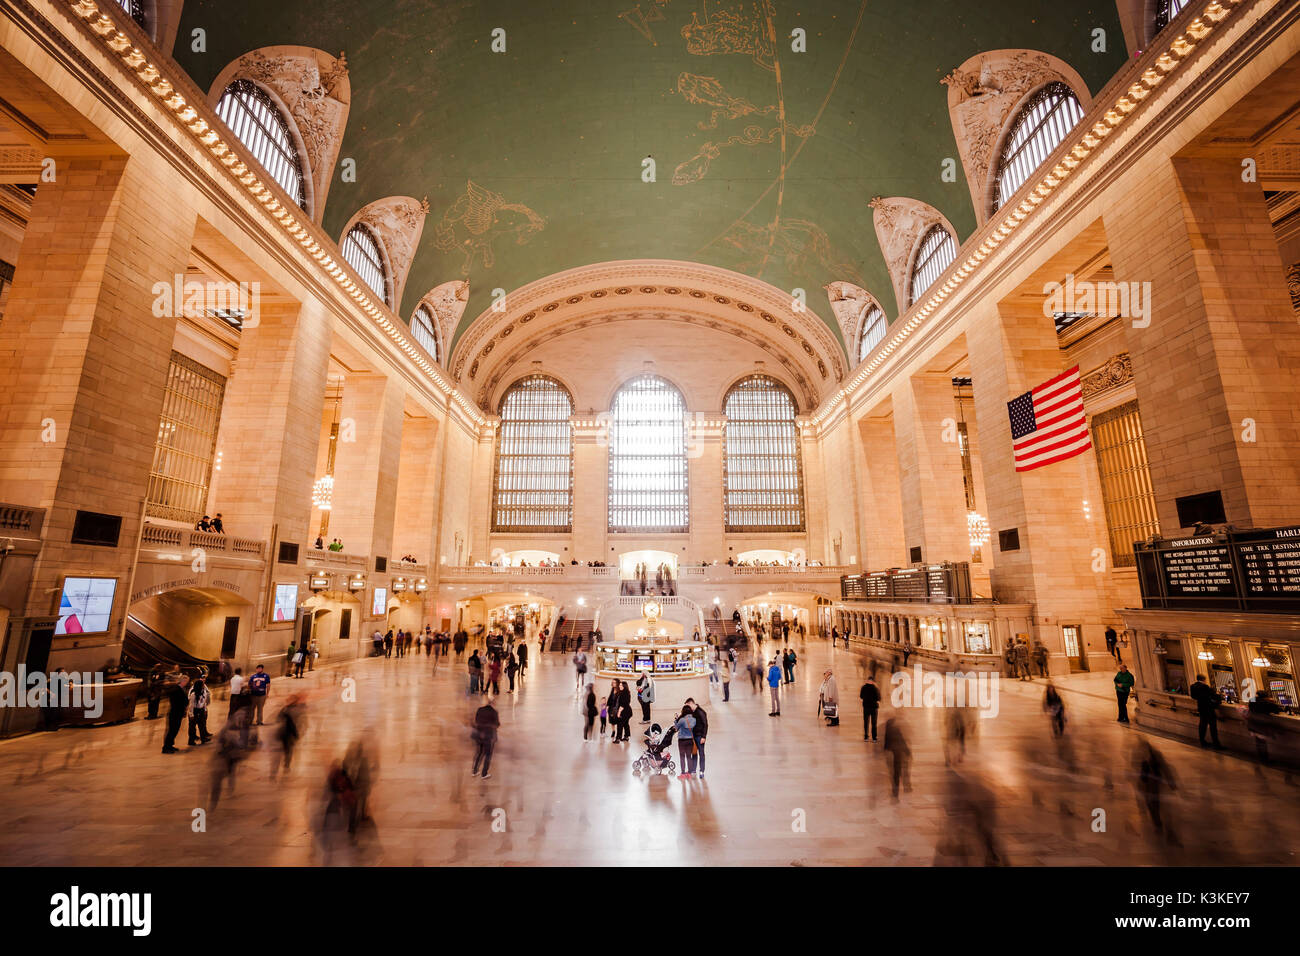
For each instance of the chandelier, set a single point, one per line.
(977, 529)
(322, 493)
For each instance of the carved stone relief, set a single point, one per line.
(398, 221)
(850, 303)
(900, 222)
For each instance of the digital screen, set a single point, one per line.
(286, 602)
(86, 605)
(380, 606)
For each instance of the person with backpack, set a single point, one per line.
(645, 694)
(701, 730)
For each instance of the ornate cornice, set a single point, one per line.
(1114, 372)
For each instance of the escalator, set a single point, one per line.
(144, 649)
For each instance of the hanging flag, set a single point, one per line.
(1048, 424)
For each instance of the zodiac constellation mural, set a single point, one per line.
(477, 219)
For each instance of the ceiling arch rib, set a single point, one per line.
(690, 291)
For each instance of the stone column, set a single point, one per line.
(882, 527)
(85, 348)
(1217, 366)
(929, 465)
(704, 479)
(416, 485)
(590, 490)
(366, 467)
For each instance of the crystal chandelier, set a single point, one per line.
(322, 493)
(977, 529)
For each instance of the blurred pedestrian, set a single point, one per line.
(486, 724)
(1123, 686)
(900, 755)
(178, 703)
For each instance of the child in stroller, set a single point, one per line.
(657, 757)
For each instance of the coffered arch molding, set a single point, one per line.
(810, 352)
(493, 380)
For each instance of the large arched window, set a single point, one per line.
(936, 253)
(258, 123)
(873, 331)
(1041, 126)
(533, 487)
(361, 252)
(647, 458)
(1166, 10)
(422, 328)
(762, 474)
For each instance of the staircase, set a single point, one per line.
(562, 639)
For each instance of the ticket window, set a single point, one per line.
(1273, 673)
(1214, 660)
(1172, 666)
(977, 637)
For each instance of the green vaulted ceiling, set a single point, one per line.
(532, 159)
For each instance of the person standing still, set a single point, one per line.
(774, 686)
(1207, 709)
(724, 675)
(701, 730)
(259, 688)
(580, 664)
(645, 695)
(870, 695)
(590, 712)
(1123, 686)
(178, 702)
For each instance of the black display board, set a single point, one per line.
(947, 583)
(1256, 570)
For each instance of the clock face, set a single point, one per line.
(650, 610)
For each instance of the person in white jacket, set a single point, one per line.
(830, 698)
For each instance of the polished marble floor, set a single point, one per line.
(779, 791)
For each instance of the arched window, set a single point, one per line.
(258, 123)
(647, 458)
(873, 331)
(361, 251)
(762, 474)
(1166, 10)
(135, 8)
(533, 487)
(1041, 126)
(422, 328)
(937, 252)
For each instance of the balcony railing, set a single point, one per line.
(164, 536)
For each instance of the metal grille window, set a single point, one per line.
(135, 8)
(873, 332)
(1042, 125)
(647, 458)
(937, 252)
(533, 488)
(1126, 488)
(187, 438)
(1166, 10)
(361, 252)
(422, 328)
(258, 123)
(762, 474)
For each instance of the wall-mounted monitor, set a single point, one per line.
(380, 606)
(286, 602)
(86, 605)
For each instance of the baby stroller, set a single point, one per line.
(657, 758)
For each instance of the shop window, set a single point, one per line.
(977, 637)
(1271, 666)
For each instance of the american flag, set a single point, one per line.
(1048, 424)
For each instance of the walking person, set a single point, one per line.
(512, 668)
(1055, 708)
(686, 742)
(645, 695)
(900, 756)
(724, 675)
(492, 684)
(197, 712)
(907, 650)
(1112, 643)
(288, 734)
(287, 668)
(155, 687)
(590, 710)
(475, 666)
(259, 688)
(178, 703)
(1207, 709)
(523, 659)
(580, 664)
(300, 661)
(1123, 687)
(870, 695)
(486, 723)
(774, 686)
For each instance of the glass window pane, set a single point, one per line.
(873, 332)
(647, 458)
(937, 252)
(533, 489)
(257, 122)
(1042, 125)
(762, 476)
(361, 251)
